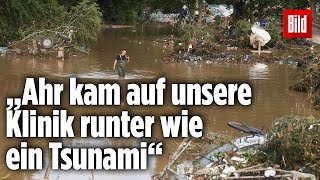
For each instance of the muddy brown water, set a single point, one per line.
(270, 82)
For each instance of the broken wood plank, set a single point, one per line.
(48, 170)
(257, 51)
(182, 147)
(258, 177)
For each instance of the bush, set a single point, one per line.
(33, 19)
(86, 20)
(293, 144)
(309, 81)
(242, 31)
(201, 37)
(276, 34)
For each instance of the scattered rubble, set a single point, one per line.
(292, 144)
(220, 10)
(166, 41)
(216, 157)
(58, 46)
(164, 18)
(4, 50)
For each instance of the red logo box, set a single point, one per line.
(297, 23)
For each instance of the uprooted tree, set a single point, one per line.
(21, 19)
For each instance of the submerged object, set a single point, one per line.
(259, 36)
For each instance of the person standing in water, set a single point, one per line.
(120, 63)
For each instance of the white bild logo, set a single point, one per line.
(297, 24)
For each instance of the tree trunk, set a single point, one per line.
(251, 9)
(314, 10)
(200, 13)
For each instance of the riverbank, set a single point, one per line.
(301, 57)
(212, 44)
(204, 45)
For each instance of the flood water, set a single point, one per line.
(270, 82)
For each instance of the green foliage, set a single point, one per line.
(19, 17)
(294, 144)
(69, 3)
(309, 81)
(242, 32)
(47, 15)
(35, 18)
(276, 32)
(122, 11)
(130, 11)
(86, 20)
(171, 6)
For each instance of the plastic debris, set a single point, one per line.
(270, 172)
(164, 18)
(259, 36)
(232, 48)
(4, 50)
(185, 168)
(239, 159)
(229, 161)
(221, 10)
(228, 171)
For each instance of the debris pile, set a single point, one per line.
(184, 161)
(257, 156)
(167, 41)
(164, 18)
(293, 144)
(41, 37)
(4, 50)
(220, 10)
(24, 47)
(197, 40)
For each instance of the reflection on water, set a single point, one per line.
(259, 71)
(272, 99)
(111, 75)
